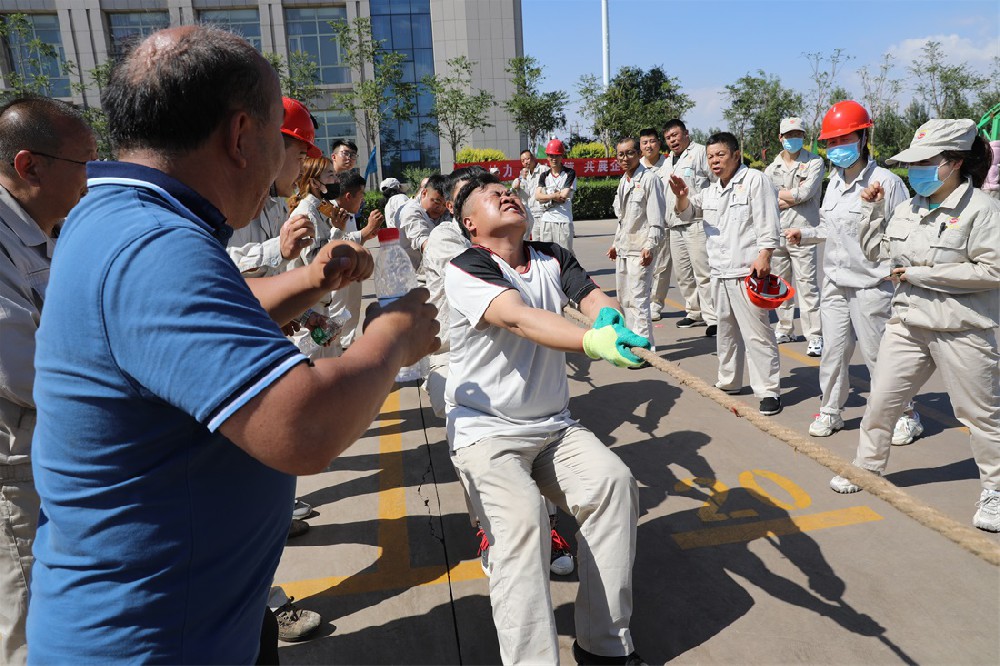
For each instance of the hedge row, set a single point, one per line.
(467, 155)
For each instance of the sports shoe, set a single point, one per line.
(907, 429)
(297, 528)
(687, 322)
(770, 406)
(655, 314)
(815, 347)
(988, 516)
(825, 425)
(584, 657)
(484, 551)
(711, 331)
(296, 624)
(842, 485)
(300, 509)
(562, 559)
(782, 338)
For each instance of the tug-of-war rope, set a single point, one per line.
(967, 537)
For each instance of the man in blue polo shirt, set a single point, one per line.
(164, 382)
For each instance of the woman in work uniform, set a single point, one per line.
(944, 246)
(856, 291)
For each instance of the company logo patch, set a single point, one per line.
(953, 222)
(920, 135)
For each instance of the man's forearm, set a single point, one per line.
(287, 295)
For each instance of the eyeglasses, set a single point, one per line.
(348, 155)
(54, 157)
(628, 153)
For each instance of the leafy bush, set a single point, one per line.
(587, 150)
(466, 155)
(413, 175)
(593, 198)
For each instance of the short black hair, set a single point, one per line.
(674, 122)
(438, 183)
(198, 80)
(476, 182)
(30, 123)
(350, 182)
(526, 150)
(728, 140)
(337, 143)
(649, 131)
(459, 175)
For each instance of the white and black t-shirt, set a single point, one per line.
(498, 382)
(550, 183)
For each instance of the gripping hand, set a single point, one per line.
(610, 340)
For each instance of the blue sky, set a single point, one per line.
(707, 44)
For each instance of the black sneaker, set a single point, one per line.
(711, 331)
(770, 406)
(297, 528)
(584, 657)
(687, 322)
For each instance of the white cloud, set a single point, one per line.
(956, 50)
(708, 105)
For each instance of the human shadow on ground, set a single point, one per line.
(959, 470)
(604, 409)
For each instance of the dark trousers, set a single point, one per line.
(268, 640)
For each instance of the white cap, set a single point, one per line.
(791, 125)
(389, 184)
(935, 137)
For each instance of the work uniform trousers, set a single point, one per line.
(849, 313)
(797, 265)
(507, 477)
(968, 361)
(633, 283)
(744, 332)
(19, 505)
(691, 271)
(662, 273)
(560, 233)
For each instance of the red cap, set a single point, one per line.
(388, 234)
(298, 123)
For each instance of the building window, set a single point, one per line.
(404, 26)
(41, 66)
(336, 125)
(127, 28)
(309, 31)
(243, 22)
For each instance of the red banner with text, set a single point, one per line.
(589, 167)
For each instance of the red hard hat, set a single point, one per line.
(298, 124)
(768, 293)
(555, 147)
(843, 118)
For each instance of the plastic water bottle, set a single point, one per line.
(324, 328)
(395, 277)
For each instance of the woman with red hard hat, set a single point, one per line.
(855, 294)
(944, 247)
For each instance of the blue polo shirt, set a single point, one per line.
(158, 537)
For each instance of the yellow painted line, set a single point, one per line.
(717, 536)
(379, 581)
(393, 539)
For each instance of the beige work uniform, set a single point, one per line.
(556, 222)
(256, 248)
(526, 193)
(740, 220)
(797, 263)
(639, 205)
(944, 316)
(25, 257)
(687, 238)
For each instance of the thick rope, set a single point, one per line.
(967, 537)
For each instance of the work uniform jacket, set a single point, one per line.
(804, 179)
(256, 248)
(692, 166)
(951, 255)
(639, 205)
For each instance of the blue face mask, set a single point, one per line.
(792, 145)
(924, 179)
(845, 155)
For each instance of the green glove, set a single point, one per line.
(613, 343)
(607, 317)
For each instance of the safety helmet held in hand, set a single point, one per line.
(843, 118)
(555, 147)
(299, 124)
(768, 293)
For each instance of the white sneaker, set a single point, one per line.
(907, 429)
(815, 347)
(825, 425)
(782, 338)
(655, 314)
(300, 509)
(842, 485)
(988, 516)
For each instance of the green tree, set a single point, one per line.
(824, 69)
(97, 78)
(457, 111)
(633, 100)
(943, 87)
(299, 76)
(32, 58)
(989, 95)
(533, 112)
(880, 92)
(379, 93)
(756, 106)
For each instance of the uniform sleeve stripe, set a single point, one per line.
(230, 408)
